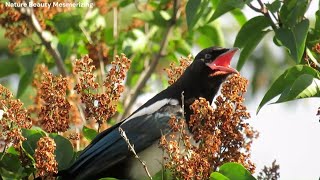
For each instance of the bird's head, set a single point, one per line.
(214, 61)
(207, 72)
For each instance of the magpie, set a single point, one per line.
(108, 154)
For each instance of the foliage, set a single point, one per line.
(44, 43)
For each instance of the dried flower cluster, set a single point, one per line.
(16, 24)
(182, 158)
(100, 106)
(270, 173)
(50, 103)
(316, 48)
(174, 72)
(45, 158)
(103, 6)
(13, 118)
(221, 133)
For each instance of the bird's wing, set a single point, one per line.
(109, 148)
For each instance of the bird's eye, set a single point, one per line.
(207, 56)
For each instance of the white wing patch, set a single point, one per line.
(152, 108)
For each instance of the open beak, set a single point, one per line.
(221, 64)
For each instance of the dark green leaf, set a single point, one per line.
(317, 24)
(252, 43)
(30, 144)
(88, 133)
(28, 62)
(294, 39)
(65, 45)
(10, 167)
(239, 16)
(251, 28)
(288, 80)
(65, 21)
(8, 67)
(108, 178)
(292, 12)
(125, 3)
(303, 87)
(192, 9)
(35, 130)
(10, 162)
(235, 171)
(274, 6)
(64, 151)
(225, 6)
(210, 35)
(218, 176)
(163, 175)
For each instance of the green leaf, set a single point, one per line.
(66, 42)
(210, 35)
(225, 6)
(249, 37)
(288, 85)
(64, 151)
(108, 178)
(252, 43)
(163, 175)
(10, 162)
(218, 176)
(252, 27)
(8, 67)
(10, 167)
(88, 133)
(65, 21)
(28, 62)
(33, 137)
(294, 39)
(303, 87)
(274, 6)
(235, 171)
(192, 9)
(317, 24)
(239, 16)
(292, 12)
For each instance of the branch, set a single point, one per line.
(131, 148)
(33, 21)
(146, 74)
(263, 10)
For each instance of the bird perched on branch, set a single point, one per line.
(108, 154)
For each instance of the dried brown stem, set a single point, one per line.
(131, 148)
(263, 10)
(33, 21)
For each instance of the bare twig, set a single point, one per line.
(131, 148)
(182, 106)
(263, 10)
(146, 74)
(33, 21)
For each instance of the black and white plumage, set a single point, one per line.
(108, 154)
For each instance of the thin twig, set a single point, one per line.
(263, 10)
(131, 148)
(146, 74)
(33, 21)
